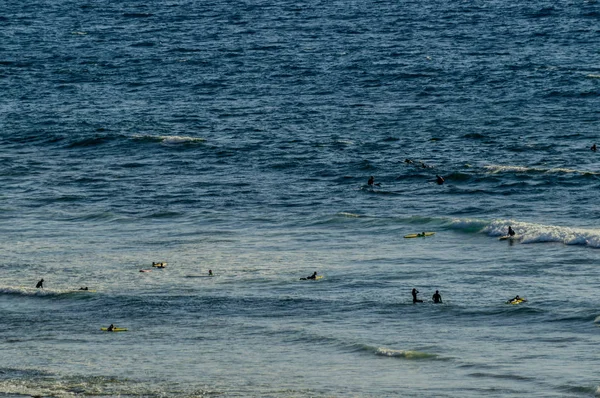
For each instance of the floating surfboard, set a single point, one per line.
(114, 330)
(421, 235)
(311, 279)
(519, 301)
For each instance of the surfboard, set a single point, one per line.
(421, 235)
(159, 265)
(114, 330)
(311, 279)
(508, 237)
(519, 301)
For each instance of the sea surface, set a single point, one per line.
(238, 137)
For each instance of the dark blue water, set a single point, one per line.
(239, 137)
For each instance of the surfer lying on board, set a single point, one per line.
(511, 232)
(414, 294)
(437, 297)
(516, 299)
(110, 328)
(313, 276)
(40, 284)
(439, 180)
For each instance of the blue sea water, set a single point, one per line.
(239, 137)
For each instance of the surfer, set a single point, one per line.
(439, 180)
(83, 288)
(593, 148)
(517, 299)
(408, 161)
(313, 276)
(511, 232)
(110, 328)
(414, 294)
(40, 284)
(371, 181)
(437, 297)
(210, 272)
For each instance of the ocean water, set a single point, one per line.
(239, 137)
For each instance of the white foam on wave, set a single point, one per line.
(407, 354)
(178, 139)
(170, 139)
(32, 291)
(496, 169)
(539, 233)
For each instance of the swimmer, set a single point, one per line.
(437, 297)
(439, 180)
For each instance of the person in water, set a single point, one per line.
(110, 328)
(439, 179)
(593, 148)
(83, 288)
(516, 299)
(511, 232)
(371, 181)
(40, 284)
(210, 272)
(437, 297)
(414, 294)
(313, 276)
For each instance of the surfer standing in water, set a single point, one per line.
(414, 294)
(437, 297)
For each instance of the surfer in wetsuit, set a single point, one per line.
(371, 181)
(110, 328)
(414, 294)
(40, 284)
(511, 232)
(83, 288)
(210, 272)
(593, 148)
(313, 276)
(439, 180)
(437, 297)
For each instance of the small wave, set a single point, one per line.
(33, 292)
(170, 139)
(404, 354)
(349, 215)
(497, 169)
